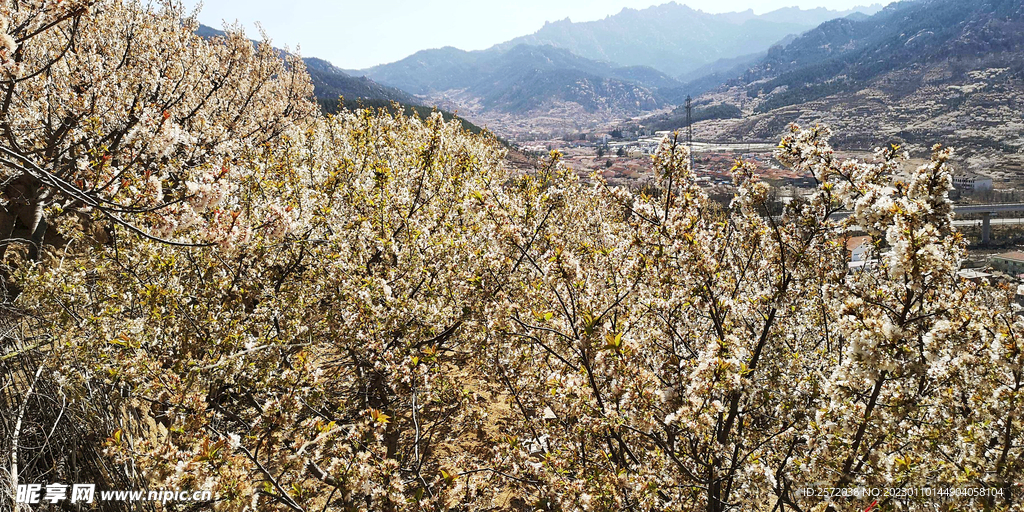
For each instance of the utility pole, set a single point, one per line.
(689, 129)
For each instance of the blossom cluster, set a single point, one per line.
(370, 311)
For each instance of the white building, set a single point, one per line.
(971, 182)
(858, 247)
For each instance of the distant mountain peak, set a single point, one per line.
(667, 7)
(563, 21)
(676, 38)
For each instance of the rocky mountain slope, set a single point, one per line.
(917, 72)
(845, 55)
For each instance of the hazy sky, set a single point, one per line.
(356, 34)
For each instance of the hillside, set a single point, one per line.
(676, 39)
(916, 72)
(330, 82)
(844, 54)
(428, 70)
(525, 78)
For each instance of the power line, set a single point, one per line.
(689, 128)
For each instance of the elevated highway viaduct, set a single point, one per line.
(985, 210)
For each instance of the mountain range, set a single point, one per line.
(523, 78)
(915, 73)
(845, 55)
(677, 39)
(625, 64)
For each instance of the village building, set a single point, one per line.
(969, 183)
(857, 247)
(1009, 262)
(973, 274)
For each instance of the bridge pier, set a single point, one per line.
(986, 227)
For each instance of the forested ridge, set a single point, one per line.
(210, 284)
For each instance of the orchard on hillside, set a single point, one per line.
(210, 285)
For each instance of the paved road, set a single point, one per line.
(988, 208)
(994, 222)
(968, 209)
